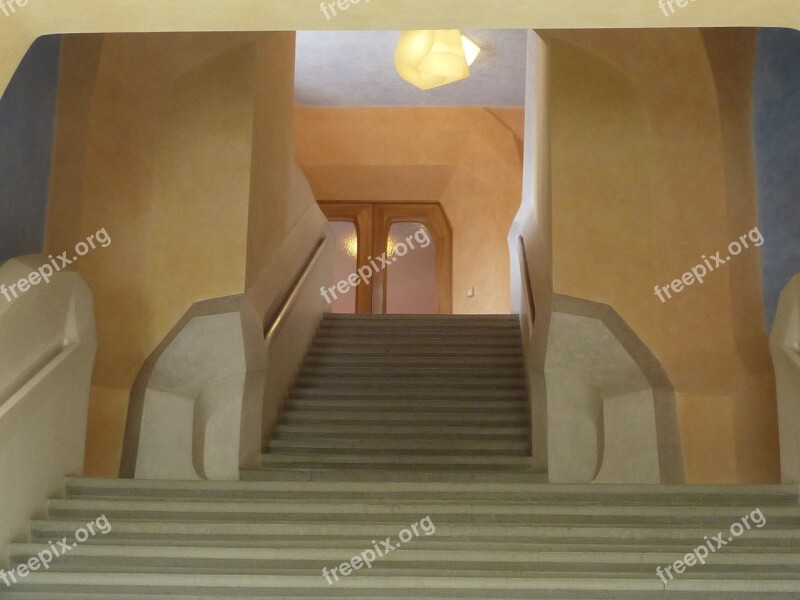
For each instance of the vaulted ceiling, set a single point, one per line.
(356, 68)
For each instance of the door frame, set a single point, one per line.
(360, 214)
(373, 220)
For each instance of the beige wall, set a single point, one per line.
(650, 172)
(81, 16)
(154, 142)
(467, 159)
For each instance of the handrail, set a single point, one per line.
(29, 372)
(526, 276)
(291, 298)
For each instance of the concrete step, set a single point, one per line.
(402, 392)
(378, 362)
(433, 418)
(398, 353)
(388, 586)
(410, 328)
(376, 474)
(394, 370)
(409, 405)
(411, 383)
(423, 333)
(453, 431)
(397, 461)
(527, 491)
(400, 446)
(244, 510)
(374, 320)
(414, 560)
(542, 538)
(416, 342)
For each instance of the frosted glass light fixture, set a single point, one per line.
(432, 58)
(471, 49)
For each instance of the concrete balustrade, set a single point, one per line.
(784, 344)
(611, 408)
(48, 342)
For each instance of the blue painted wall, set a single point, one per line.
(776, 96)
(27, 115)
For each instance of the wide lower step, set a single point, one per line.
(355, 536)
(399, 557)
(410, 512)
(526, 587)
(529, 492)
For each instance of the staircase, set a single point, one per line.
(398, 426)
(428, 396)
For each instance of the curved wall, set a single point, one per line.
(649, 174)
(27, 116)
(776, 93)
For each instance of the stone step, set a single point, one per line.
(387, 510)
(542, 586)
(395, 383)
(415, 342)
(393, 370)
(402, 392)
(400, 353)
(408, 405)
(453, 431)
(399, 473)
(528, 491)
(373, 320)
(397, 461)
(430, 329)
(400, 446)
(434, 418)
(376, 363)
(542, 538)
(414, 560)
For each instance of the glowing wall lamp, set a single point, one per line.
(429, 59)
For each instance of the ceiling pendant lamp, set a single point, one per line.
(429, 59)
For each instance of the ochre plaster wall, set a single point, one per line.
(467, 159)
(154, 142)
(652, 168)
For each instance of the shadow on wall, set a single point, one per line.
(776, 108)
(27, 116)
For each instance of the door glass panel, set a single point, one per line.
(345, 257)
(411, 277)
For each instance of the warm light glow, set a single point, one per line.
(351, 245)
(471, 49)
(429, 59)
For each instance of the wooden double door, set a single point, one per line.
(393, 257)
